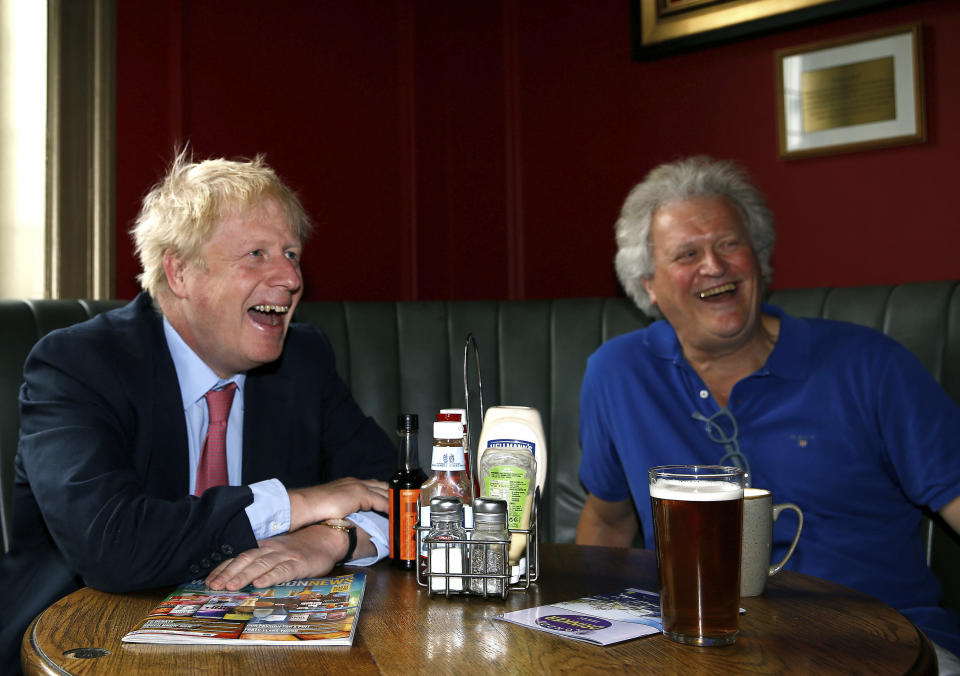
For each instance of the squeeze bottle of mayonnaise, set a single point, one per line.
(510, 473)
(515, 427)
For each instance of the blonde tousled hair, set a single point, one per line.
(180, 212)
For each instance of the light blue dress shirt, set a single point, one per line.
(269, 513)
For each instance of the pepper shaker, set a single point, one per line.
(489, 542)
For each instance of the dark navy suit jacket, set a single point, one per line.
(101, 475)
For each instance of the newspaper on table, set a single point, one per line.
(313, 611)
(602, 619)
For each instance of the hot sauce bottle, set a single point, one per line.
(460, 414)
(448, 476)
(404, 491)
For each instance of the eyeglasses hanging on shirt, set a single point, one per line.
(717, 427)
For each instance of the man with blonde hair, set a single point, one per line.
(194, 432)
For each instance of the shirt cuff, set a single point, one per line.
(269, 513)
(378, 528)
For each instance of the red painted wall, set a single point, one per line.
(482, 149)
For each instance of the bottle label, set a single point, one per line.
(510, 483)
(448, 458)
(408, 522)
(513, 443)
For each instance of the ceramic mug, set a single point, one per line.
(759, 513)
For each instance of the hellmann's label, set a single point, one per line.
(513, 443)
(509, 483)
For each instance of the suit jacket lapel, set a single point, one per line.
(168, 471)
(267, 438)
(170, 455)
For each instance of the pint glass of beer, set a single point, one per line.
(697, 522)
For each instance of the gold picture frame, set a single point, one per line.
(849, 94)
(663, 27)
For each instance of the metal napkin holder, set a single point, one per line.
(442, 581)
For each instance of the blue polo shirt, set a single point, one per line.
(841, 420)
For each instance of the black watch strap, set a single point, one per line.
(351, 530)
(351, 547)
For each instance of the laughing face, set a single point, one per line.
(706, 278)
(234, 310)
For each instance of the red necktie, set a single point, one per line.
(212, 470)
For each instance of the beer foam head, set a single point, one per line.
(695, 490)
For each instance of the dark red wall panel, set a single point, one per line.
(482, 149)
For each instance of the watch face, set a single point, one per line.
(341, 524)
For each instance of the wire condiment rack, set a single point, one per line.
(484, 584)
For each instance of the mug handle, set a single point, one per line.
(777, 509)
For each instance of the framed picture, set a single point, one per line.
(853, 93)
(663, 27)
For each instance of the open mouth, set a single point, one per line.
(723, 289)
(268, 315)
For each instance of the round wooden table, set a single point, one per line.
(801, 625)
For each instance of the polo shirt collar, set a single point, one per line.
(790, 357)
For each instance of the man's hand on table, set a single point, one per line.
(336, 499)
(309, 552)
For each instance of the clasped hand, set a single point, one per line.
(308, 550)
(335, 500)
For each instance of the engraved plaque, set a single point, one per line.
(847, 95)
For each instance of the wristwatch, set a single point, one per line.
(350, 529)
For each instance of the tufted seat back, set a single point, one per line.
(409, 357)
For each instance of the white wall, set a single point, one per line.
(23, 84)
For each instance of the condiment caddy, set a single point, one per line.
(478, 526)
(461, 560)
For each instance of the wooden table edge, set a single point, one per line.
(35, 661)
(32, 653)
(926, 662)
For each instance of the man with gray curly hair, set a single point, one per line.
(688, 179)
(195, 432)
(825, 414)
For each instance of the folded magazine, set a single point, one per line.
(314, 611)
(602, 619)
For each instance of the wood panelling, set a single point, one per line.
(483, 149)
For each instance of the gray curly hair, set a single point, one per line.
(685, 179)
(180, 212)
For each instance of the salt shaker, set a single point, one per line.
(445, 544)
(489, 542)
